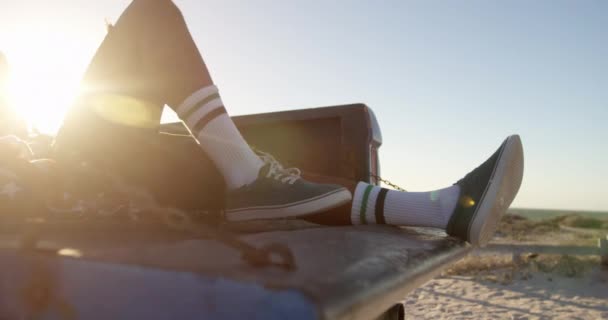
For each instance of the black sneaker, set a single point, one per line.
(487, 192)
(282, 193)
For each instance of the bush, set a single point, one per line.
(576, 221)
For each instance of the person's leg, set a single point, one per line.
(275, 192)
(149, 59)
(470, 209)
(148, 54)
(146, 60)
(114, 123)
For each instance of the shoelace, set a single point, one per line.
(277, 171)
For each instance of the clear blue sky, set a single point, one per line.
(448, 80)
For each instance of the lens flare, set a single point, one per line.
(466, 201)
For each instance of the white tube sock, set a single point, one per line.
(205, 116)
(376, 205)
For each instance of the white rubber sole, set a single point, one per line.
(292, 210)
(500, 192)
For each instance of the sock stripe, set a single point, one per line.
(202, 112)
(194, 98)
(200, 125)
(199, 105)
(362, 216)
(204, 115)
(379, 211)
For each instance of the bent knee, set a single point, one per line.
(151, 10)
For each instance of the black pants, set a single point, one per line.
(172, 167)
(147, 60)
(133, 74)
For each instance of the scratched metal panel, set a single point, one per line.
(42, 287)
(348, 272)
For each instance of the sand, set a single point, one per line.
(523, 285)
(541, 296)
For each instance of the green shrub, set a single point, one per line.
(577, 221)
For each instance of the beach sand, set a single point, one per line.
(542, 296)
(533, 295)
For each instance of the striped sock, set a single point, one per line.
(204, 114)
(376, 205)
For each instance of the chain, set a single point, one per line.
(378, 178)
(388, 183)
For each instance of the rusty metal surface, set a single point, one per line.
(349, 272)
(38, 286)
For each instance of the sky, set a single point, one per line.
(447, 80)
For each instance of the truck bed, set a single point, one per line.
(341, 273)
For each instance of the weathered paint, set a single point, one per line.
(341, 273)
(44, 287)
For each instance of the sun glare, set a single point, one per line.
(40, 89)
(45, 69)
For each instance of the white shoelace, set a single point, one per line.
(276, 170)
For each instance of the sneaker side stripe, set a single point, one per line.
(379, 211)
(362, 216)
